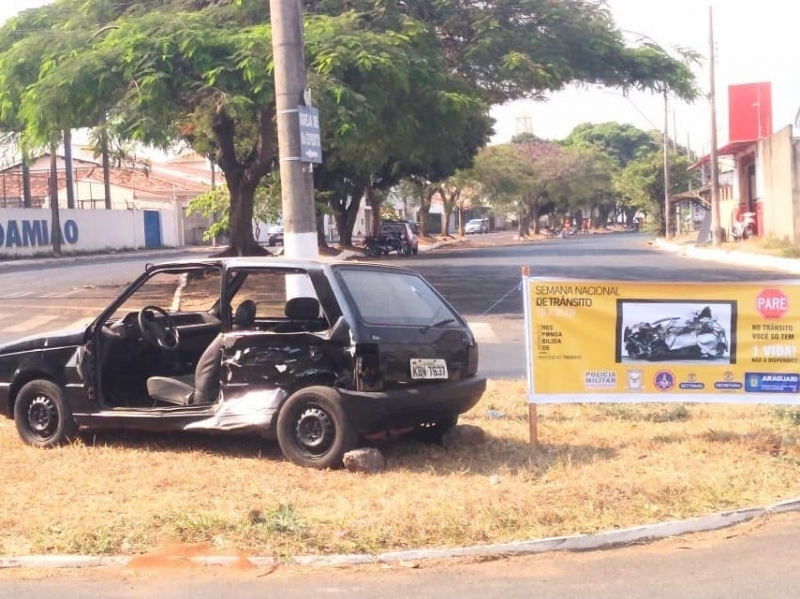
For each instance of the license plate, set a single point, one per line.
(428, 368)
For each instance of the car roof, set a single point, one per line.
(308, 264)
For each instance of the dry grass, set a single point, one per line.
(600, 467)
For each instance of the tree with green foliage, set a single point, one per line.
(641, 184)
(215, 205)
(591, 185)
(621, 141)
(200, 71)
(522, 176)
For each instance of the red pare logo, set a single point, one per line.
(772, 303)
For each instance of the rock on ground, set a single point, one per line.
(368, 460)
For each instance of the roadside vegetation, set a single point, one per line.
(599, 467)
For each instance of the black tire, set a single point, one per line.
(42, 416)
(313, 429)
(433, 432)
(405, 249)
(372, 250)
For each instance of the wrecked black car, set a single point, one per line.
(312, 354)
(696, 336)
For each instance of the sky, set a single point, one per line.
(752, 40)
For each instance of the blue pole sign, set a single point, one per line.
(310, 140)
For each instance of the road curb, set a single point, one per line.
(787, 265)
(586, 542)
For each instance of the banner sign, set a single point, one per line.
(601, 341)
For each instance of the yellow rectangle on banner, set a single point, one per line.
(594, 341)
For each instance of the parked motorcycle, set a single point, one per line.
(745, 228)
(379, 245)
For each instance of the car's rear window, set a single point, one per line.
(383, 297)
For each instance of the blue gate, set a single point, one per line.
(152, 229)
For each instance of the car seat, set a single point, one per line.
(303, 316)
(206, 375)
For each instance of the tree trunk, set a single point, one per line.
(425, 200)
(345, 215)
(523, 229)
(26, 183)
(244, 176)
(602, 218)
(104, 151)
(68, 168)
(322, 240)
(375, 202)
(55, 224)
(534, 217)
(242, 242)
(448, 204)
(630, 213)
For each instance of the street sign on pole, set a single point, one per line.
(310, 140)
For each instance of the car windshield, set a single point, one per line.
(182, 290)
(394, 298)
(474, 222)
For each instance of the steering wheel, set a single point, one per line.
(161, 333)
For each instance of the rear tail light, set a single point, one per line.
(472, 359)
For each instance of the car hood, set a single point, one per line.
(48, 340)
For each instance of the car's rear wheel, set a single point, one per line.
(433, 432)
(42, 416)
(313, 429)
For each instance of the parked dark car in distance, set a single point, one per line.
(313, 354)
(402, 228)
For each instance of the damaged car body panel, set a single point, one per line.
(313, 354)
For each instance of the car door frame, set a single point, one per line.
(156, 418)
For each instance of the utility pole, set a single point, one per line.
(667, 183)
(716, 228)
(299, 222)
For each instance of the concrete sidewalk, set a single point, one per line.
(740, 258)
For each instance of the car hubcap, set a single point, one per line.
(314, 430)
(43, 416)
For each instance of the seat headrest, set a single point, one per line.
(245, 315)
(302, 308)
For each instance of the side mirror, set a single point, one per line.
(340, 332)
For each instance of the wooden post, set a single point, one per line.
(533, 416)
(533, 422)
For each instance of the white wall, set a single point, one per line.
(26, 232)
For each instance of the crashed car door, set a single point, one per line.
(260, 369)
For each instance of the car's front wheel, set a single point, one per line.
(313, 429)
(42, 416)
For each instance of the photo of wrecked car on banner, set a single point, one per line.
(675, 331)
(592, 341)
